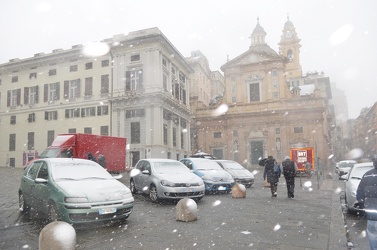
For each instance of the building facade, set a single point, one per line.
(138, 90)
(363, 134)
(268, 105)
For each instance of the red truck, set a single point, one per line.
(301, 155)
(109, 151)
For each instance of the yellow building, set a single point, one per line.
(139, 89)
(268, 105)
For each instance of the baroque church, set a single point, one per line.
(268, 106)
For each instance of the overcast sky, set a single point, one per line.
(338, 37)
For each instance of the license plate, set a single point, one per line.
(108, 210)
(221, 188)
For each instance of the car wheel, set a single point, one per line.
(52, 213)
(132, 186)
(153, 193)
(198, 199)
(24, 208)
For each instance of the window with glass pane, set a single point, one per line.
(30, 141)
(50, 137)
(135, 132)
(174, 137)
(88, 86)
(134, 80)
(165, 134)
(254, 94)
(88, 130)
(104, 84)
(12, 142)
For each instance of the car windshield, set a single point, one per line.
(207, 165)
(358, 172)
(170, 168)
(232, 165)
(346, 164)
(63, 171)
(50, 153)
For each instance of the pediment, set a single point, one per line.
(254, 55)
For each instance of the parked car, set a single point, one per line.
(343, 167)
(203, 155)
(76, 191)
(165, 179)
(353, 179)
(238, 172)
(216, 179)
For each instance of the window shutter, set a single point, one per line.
(26, 95)
(78, 88)
(57, 91)
(66, 89)
(36, 94)
(8, 98)
(140, 84)
(18, 97)
(45, 94)
(128, 80)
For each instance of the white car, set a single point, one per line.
(343, 167)
(165, 179)
(239, 173)
(352, 183)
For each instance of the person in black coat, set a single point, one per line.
(367, 197)
(270, 174)
(289, 171)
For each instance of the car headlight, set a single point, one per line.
(76, 199)
(167, 183)
(206, 178)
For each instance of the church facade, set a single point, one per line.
(268, 106)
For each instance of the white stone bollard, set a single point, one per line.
(57, 235)
(186, 210)
(238, 191)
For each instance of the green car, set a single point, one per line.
(76, 191)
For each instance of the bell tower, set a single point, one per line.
(290, 48)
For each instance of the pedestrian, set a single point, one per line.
(289, 171)
(367, 196)
(270, 175)
(308, 168)
(91, 157)
(102, 161)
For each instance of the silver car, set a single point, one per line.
(343, 167)
(239, 173)
(352, 183)
(165, 179)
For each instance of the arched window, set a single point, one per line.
(290, 55)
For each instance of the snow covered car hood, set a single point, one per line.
(96, 191)
(240, 173)
(178, 178)
(214, 173)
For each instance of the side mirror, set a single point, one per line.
(344, 177)
(40, 180)
(145, 172)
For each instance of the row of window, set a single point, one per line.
(277, 131)
(174, 136)
(69, 113)
(104, 130)
(52, 72)
(72, 90)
